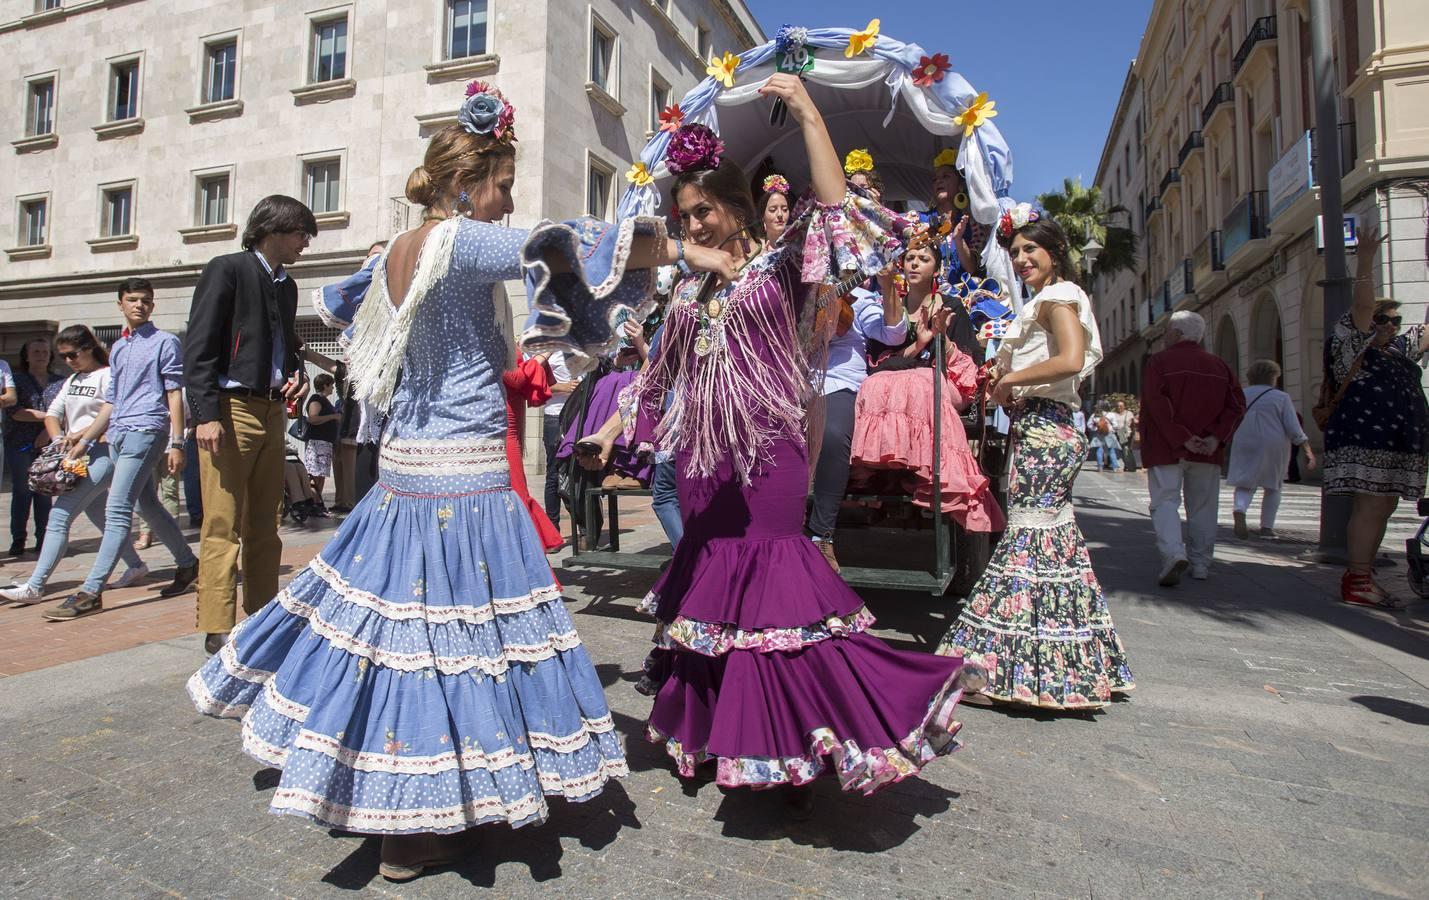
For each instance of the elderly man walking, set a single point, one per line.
(1190, 404)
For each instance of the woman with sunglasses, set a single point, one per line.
(1377, 435)
(68, 416)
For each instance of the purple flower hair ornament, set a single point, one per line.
(693, 147)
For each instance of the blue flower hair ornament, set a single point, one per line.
(487, 112)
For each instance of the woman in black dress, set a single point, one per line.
(1377, 436)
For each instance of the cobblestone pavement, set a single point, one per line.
(1276, 746)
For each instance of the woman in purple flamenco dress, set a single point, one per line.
(763, 660)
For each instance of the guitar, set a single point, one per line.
(839, 292)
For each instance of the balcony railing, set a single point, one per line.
(1166, 295)
(1153, 207)
(1262, 30)
(1224, 93)
(1172, 177)
(1194, 142)
(1206, 258)
(1181, 282)
(1246, 223)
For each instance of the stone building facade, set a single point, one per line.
(143, 131)
(1121, 177)
(1231, 212)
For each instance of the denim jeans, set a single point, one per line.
(22, 499)
(551, 438)
(89, 496)
(134, 455)
(193, 496)
(665, 500)
(1101, 459)
(832, 467)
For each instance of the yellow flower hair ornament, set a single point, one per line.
(948, 156)
(858, 161)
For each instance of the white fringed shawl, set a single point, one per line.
(381, 332)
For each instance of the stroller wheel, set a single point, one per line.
(1417, 579)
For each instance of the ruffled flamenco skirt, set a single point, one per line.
(763, 662)
(893, 430)
(420, 675)
(1037, 620)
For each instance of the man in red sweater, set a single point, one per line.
(1191, 402)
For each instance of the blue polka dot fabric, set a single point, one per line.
(422, 673)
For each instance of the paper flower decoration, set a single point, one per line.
(858, 161)
(639, 175)
(860, 41)
(721, 69)
(975, 114)
(948, 156)
(1017, 217)
(789, 39)
(931, 69)
(671, 118)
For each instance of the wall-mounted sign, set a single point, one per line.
(1352, 232)
(1291, 176)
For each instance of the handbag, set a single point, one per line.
(299, 428)
(48, 474)
(1325, 406)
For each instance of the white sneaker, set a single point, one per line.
(132, 575)
(1200, 573)
(1171, 573)
(21, 593)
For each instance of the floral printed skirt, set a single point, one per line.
(1037, 620)
(420, 675)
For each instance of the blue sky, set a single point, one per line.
(1054, 67)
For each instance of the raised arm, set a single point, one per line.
(1366, 259)
(825, 170)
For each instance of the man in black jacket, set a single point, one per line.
(242, 363)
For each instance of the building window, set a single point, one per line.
(47, 5)
(322, 184)
(659, 99)
(602, 56)
(33, 215)
(118, 219)
(124, 90)
(702, 42)
(40, 116)
(329, 58)
(599, 178)
(212, 200)
(221, 75)
(466, 28)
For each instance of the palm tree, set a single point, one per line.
(1085, 217)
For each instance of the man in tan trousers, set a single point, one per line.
(242, 364)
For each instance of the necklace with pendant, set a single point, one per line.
(712, 312)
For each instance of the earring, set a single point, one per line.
(961, 200)
(461, 199)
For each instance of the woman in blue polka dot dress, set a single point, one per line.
(422, 676)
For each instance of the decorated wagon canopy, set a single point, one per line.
(894, 99)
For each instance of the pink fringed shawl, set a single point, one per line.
(753, 386)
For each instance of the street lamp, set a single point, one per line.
(1090, 251)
